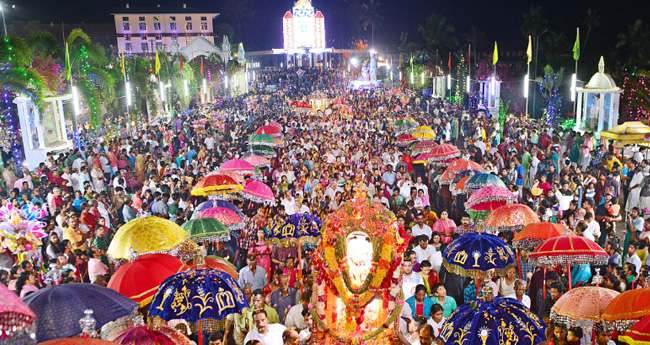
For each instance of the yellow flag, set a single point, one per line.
(157, 63)
(495, 56)
(529, 50)
(122, 64)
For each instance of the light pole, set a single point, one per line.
(4, 24)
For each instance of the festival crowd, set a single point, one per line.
(566, 177)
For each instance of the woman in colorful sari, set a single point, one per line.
(445, 227)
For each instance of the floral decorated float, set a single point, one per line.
(358, 279)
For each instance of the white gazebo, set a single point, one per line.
(43, 130)
(490, 90)
(598, 102)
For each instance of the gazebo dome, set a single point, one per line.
(601, 81)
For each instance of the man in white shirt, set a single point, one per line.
(633, 258)
(593, 228)
(423, 251)
(289, 204)
(209, 143)
(520, 292)
(265, 333)
(420, 228)
(410, 279)
(294, 318)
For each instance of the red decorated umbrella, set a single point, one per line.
(627, 309)
(457, 166)
(424, 146)
(339, 101)
(226, 216)
(535, 234)
(568, 250)
(490, 198)
(582, 306)
(295, 104)
(139, 279)
(276, 125)
(304, 105)
(639, 334)
(258, 161)
(406, 140)
(217, 263)
(238, 166)
(443, 155)
(270, 130)
(221, 182)
(511, 217)
(259, 192)
(15, 315)
(151, 335)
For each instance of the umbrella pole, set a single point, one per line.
(544, 285)
(518, 263)
(478, 288)
(200, 332)
(569, 266)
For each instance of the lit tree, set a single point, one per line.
(549, 86)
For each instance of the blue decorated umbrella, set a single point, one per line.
(479, 181)
(500, 321)
(295, 226)
(216, 203)
(59, 308)
(196, 295)
(475, 253)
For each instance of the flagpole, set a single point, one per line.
(574, 92)
(529, 54)
(527, 83)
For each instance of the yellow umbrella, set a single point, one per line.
(631, 132)
(145, 235)
(424, 133)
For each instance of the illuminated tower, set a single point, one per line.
(304, 28)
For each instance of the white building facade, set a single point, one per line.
(146, 30)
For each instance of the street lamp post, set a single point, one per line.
(4, 24)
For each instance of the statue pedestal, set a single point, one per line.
(43, 130)
(364, 84)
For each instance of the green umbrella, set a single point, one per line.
(206, 229)
(264, 151)
(262, 139)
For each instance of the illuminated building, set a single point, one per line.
(146, 30)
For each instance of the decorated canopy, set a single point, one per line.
(238, 166)
(151, 335)
(535, 234)
(627, 308)
(443, 155)
(259, 192)
(219, 183)
(14, 314)
(196, 295)
(206, 229)
(145, 235)
(569, 250)
(501, 321)
(424, 146)
(639, 334)
(476, 253)
(226, 216)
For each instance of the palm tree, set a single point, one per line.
(592, 21)
(533, 22)
(473, 37)
(438, 35)
(370, 17)
(634, 41)
(555, 48)
(88, 64)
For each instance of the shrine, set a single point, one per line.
(598, 102)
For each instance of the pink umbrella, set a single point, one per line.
(490, 198)
(257, 191)
(14, 314)
(270, 130)
(226, 216)
(238, 166)
(258, 161)
(275, 124)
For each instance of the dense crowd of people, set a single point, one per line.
(566, 177)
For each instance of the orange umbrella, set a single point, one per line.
(456, 166)
(582, 306)
(460, 186)
(627, 308)
(535, 234)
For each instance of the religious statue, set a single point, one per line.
(357, 289)
(225, 46)
(365, 71)
(373, 67)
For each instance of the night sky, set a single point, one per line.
(500, 20)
